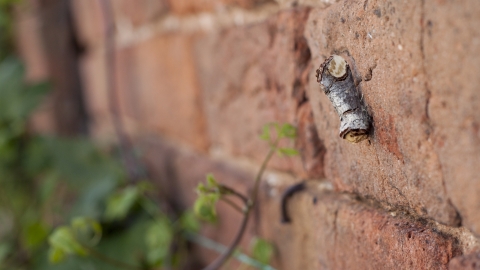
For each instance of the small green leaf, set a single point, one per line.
(262, 250)
(64, 239)
(56, 255)
(265, 135)
(287, 152)
(119, 204)
(204, 207)
(35, 234)
(189, 222)
(158, 239)
(87, 229)
(144, 186)
(211, 182)
(201, 189)
(287, 131)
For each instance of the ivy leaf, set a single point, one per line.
(119, 204)
(189, 222)
(211, 182)
(88, 229)
(287, 131)
(56, 255)
(265, 135)
(158, 239)
(201, 189)
(63, 240)
(287, 152)
(204, 207)
(262, 250)
(34, 234)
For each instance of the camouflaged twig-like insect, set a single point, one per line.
(337, 82)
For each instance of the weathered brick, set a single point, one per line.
(398, 166)
(452, 62)
(195, 6)
(136, 13)
(311, 148)
(29, 44)
(92, 72)
(159, 82)
(466, 262)
(89, 22)
(250, 76)
(332, 231)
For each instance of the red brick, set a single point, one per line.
(29, 44)
(93, 74)
(452, 62)
(399, 166)
(311, 148)
(138, 12)
(158, 82)
(89, 22)
(332, 231)
(194, 6)
(465, 262)
(250, 76)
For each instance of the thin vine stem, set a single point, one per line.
(230, 191)
(126, 146)
(233, 205)
(249, 206)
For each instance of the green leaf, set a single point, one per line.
(265, 135)
(34, 234)
(158, 238)
(204, 207)
(189, 222)
(119, 204)
(287, 152)
(5, 249)
(211, 182)
(56, 255)
(201, 189)
(64, 239)
(287, 131)
(87, 229)
(262, 250)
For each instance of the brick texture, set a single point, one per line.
(466, 262)
(187, 6)
(195, 89)
(399, 165)
(249, 77)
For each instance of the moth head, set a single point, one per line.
(337, 66)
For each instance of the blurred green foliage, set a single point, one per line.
(6, 27)
(65, 204)
(46, 181)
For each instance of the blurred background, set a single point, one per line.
(112, 112)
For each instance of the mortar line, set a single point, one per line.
(128, 35)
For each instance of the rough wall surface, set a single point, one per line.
(198, 79)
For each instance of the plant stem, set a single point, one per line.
(249, 205)
(126, 146)
(210, 244)
(232, 204)
(230, 191)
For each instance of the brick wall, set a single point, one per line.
(198, 79)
